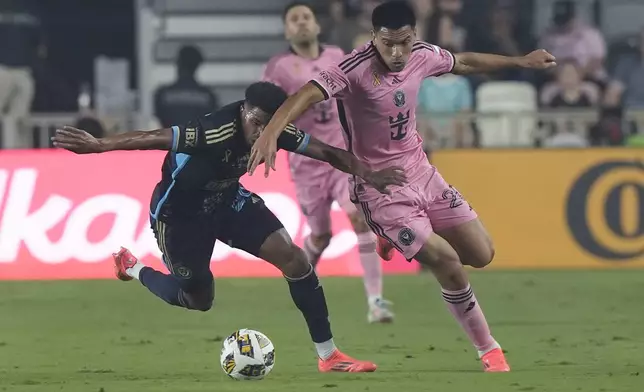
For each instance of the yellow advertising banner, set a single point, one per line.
(555, 208)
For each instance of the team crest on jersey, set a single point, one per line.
(399, 98)
(376, 79)
(182, 271)
(406, 236)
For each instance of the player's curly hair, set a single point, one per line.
(393, 14)
(265, 96)
(294, 4)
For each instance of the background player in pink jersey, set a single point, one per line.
(317, 183)
(428, 220)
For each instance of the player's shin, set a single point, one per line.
(467, 311)
(457, 293)
(308, 296)
(371, 266)
(168, 289)
(163, 286)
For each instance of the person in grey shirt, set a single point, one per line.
(627, 85)
(21, 39)
(186, 98)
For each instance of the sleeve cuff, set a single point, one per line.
(304, 143)
(453, 62)
(319, 86)
(175, 138)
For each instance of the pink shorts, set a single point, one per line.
(316, 198)
(409, 215)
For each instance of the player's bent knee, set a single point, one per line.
(295, 264)
(472, 243)
(483, 256)
(279, 250)
(490, 256)
(202, 301)
(443, 261)
(203, 306)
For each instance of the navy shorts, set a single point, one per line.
(187, 243)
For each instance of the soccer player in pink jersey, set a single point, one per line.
(317, 183)
(427, 219)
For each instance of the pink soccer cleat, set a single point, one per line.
(494, 362)
(339, 362)
(122, 261)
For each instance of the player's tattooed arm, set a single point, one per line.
(81, 142)
(469, 63)
(265, 147)
(349, 163)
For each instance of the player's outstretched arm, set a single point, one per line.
(349, 163)
(469, 62)
(81, 142)
(265, 147)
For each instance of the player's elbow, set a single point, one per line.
(462, 69)
(463, 64)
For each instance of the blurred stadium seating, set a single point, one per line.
(548, 211)
(236, 38)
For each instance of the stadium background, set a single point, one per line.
(516, 155)
(553, 164)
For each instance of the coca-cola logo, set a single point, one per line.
(24, 225)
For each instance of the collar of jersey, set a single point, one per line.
(320, 50)
(238, 122)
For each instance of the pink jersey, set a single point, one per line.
(291, 72)
(377, 106)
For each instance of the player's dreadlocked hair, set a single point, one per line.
(294, 4)
(393, 14)
(265, 96)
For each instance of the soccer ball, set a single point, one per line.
(247, 355)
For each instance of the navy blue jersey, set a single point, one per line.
(209, 155)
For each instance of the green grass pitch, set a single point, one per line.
(563, 331)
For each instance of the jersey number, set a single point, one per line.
(323, 112)
(398, 125)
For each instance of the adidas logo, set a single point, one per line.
(396, 80)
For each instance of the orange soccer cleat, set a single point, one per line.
(494, 362)
(339, 362)
(385, 249)
(122, 261)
